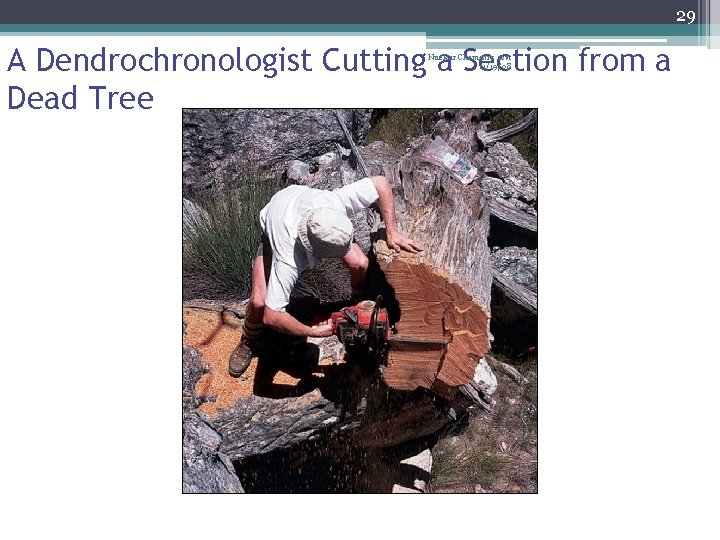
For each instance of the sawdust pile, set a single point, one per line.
(216, 335)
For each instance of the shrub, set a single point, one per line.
(221, 240)
(399, 125)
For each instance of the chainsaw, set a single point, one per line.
(362, 326)
(366, 326)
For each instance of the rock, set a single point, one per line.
(298, 171)
(193, 369)
(265, 137)
(422, 461)
(485, 378)
(509, 176)
(326, 159)
(402, 489)
(519, 264)
(378, 155)
(419, 467)
(331, 171)
(367, 412)
(205, 468)
(489, 138)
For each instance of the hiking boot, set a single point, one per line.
(240, 358)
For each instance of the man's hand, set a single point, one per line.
(323, 329)
(386, 204)
(398, 241)
(287, 324)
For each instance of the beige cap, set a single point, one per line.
(325, 232)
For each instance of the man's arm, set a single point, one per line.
(287, 324)
(386, 203)
(279, 287)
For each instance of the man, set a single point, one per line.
(302, 225)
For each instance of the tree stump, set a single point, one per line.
(442, 294)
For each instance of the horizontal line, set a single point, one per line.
(550, 40)
(239, 33)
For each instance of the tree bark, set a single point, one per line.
(504, 211)
(522, 296)
(491, 137)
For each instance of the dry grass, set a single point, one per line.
(496, 452)
(399, 125)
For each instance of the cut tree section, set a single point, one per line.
(441, 331)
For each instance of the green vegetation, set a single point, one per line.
(221, 242)
(399, 125)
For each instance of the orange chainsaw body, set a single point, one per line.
(365, 324)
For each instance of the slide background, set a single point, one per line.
(91, 291)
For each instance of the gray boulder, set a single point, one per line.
(416, 469)
(205, 468)
(519, 264)
(509, 176)
(298, 171)
(265, 137)
(485, 377)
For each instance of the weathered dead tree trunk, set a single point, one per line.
(432, 304)
(522, 296)
(491, 137)
(444, 293)
(509, 214)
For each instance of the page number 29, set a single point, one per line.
(687, 17)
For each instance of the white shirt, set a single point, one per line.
(279, 221)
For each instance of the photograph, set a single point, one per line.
(360, 301)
